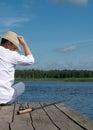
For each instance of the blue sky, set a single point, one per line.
(59, 32)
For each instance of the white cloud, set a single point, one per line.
(66, 48)
(13, 21)
(77, 2)
(61, 65)
(73, 46)
(14, 15)
(28, 3)
(80, 2)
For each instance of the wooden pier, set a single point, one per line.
(45, 116)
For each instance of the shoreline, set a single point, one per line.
(57, 79)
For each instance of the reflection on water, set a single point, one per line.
(78, 95)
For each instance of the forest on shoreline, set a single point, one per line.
(62, 75)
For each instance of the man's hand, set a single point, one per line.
(23, 42)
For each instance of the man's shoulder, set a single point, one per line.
(7, 52)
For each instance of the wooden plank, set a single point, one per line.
(22, 121)
(45, 116)
(6, 113)
(4, 126)
(21, 126)
(40, 120)
(81, 120)
(59, 118)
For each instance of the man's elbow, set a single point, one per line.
(33, 60)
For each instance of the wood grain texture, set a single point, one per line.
(45, 116)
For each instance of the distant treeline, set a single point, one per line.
(37, 74)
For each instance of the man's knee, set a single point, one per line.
(21, 86)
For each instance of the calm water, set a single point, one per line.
(78, 95)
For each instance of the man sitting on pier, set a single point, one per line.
(9, 58)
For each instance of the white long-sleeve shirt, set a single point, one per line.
(8, 60)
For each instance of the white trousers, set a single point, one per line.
(19, 90)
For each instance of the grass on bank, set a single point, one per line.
(56, 79)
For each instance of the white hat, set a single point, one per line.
(12, 37)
